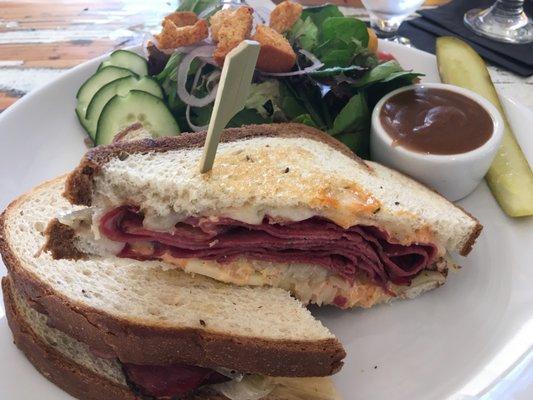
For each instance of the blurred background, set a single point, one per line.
(40, 38)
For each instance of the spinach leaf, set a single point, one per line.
(345, 29)
(319, 14)
(337, 58)
(352, 125)
(305, 119)
(379, 73)
(307, 93)
(248, 116)
(341, 40)
(353, 116)
(304, 34)
(358, 142)
(407, 75)
(290, 106)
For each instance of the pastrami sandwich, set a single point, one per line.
(285, 205)
(114, 328)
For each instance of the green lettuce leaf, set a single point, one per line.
(319, 14)
(354, 116)
(304, 34)
(345, 29)
(385, 72)
(306, 120)
(248, 116)
(265, 98)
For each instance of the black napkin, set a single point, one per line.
(448, 21)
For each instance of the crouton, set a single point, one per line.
(285, 15)
(182, 18)
(217, 20)
(228, 29)
(276, 54)
(173, 36)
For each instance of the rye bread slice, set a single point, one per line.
(67, 373)
(139, 339)
(78, 188)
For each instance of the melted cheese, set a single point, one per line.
(309, 283)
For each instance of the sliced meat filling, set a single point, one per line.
(170, 381)
(316, 241)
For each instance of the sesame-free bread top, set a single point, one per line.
(145, 314)
(268, 168)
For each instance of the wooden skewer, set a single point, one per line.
(233, 89)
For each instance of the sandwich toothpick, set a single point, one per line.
(233, 89)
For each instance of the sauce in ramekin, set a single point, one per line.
(436, 121)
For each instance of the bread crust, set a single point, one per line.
(78, 188)
(138, 343)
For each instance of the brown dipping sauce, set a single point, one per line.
(436, 121)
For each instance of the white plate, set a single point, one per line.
(456, 341)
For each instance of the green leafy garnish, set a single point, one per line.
(353, 117)
(345, 29)
(384, 73)
(304, 34)
(319, 14)
(338, 97)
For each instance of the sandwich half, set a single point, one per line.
(115, 328)
(285, 205)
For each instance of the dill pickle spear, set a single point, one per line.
(510, 177)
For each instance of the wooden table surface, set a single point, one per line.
(41, 38)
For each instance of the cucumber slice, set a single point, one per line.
(127, 59)
(136, 106)
(119, 87)
(510, 177)
(94, 83)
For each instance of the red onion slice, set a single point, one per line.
(183, 70)
(196, 128)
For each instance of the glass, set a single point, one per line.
(386, 16)
(505, 21)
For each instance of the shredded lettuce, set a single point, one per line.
(265, 98)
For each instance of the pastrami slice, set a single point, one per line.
(315, 241)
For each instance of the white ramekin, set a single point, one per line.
(454, 176)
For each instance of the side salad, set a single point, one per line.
(317, 67)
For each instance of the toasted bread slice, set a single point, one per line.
(143, 313)
(73, 367)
